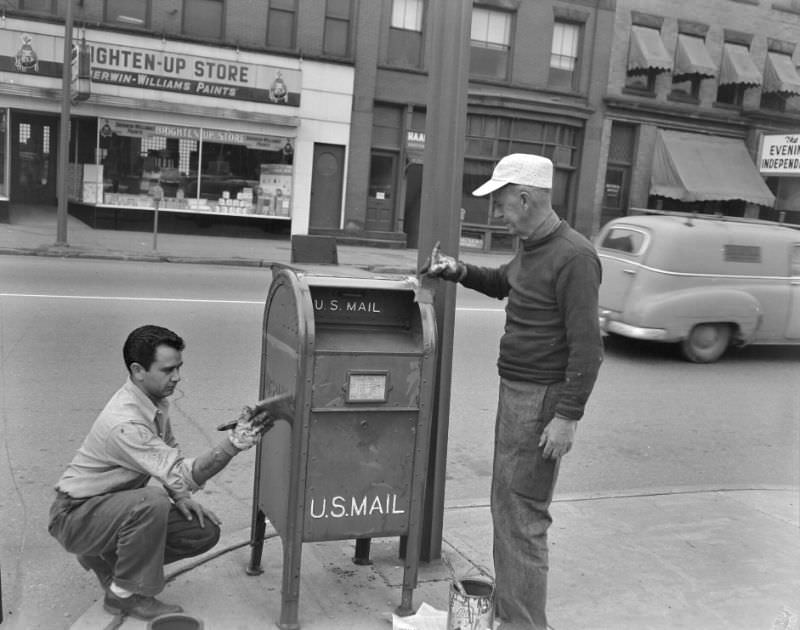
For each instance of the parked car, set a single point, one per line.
(706, 283)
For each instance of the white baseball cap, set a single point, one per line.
(519, 168)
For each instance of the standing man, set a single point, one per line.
(550, 354)
(106, 513)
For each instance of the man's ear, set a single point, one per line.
(137, 371)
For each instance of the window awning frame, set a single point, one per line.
(780, 75)
(737, 67)
(693, 167)
(647, 53)
(692, 59)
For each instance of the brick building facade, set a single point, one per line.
(311, 113)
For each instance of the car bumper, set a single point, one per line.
(608, 325)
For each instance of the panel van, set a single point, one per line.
(705, 283)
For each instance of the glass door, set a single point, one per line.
(34, 141)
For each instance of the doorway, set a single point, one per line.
(34, 149)
(382, 191)
(326, 187)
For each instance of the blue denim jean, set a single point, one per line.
(130, 535)
(522, 489)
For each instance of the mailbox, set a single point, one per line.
(357, 355)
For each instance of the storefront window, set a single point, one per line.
(489, 138)
(192, 169)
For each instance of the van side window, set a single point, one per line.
(623, 240)
(742, 253)
(795, 265)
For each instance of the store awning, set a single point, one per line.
(780, 75)
(737, 67)
(692, 58)
(647, 52)
(693, 167)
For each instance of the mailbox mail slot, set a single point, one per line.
(357, 355)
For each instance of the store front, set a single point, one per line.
(198, 130)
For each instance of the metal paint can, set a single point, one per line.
(471, 607)
(175, 621)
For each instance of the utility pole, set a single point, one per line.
(63, 129)
(440, 220)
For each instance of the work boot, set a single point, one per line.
(143, 607)
(102, 569)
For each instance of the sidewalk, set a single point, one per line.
(704, 559)
(32, 231)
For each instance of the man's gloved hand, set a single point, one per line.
(249, 428)
(443, 266)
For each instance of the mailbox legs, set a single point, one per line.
(257, 529)
(361, 556)
(290, 589)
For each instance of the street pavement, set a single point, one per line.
(666, 559)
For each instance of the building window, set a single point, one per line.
(40, 6)
(490, 43)
(281, 23)
(692, 65)
(489, 138)
(405, 33)
(781, 81)
(737, 73)
(203, 18)
(647, 58)
(198, 169)
(618, 171)
(337, 27)
(131, 12)
(564, 55)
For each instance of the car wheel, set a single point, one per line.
(706, 343)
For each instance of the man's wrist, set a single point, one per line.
(228, 447)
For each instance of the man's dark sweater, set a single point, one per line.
(552, 332)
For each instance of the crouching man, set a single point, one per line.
(105, 510)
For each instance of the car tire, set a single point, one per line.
(706, 342)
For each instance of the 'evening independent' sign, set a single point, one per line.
(779, 155)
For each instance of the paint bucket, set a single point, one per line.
(471, 606)
(175, 621)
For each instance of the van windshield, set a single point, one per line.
(624, 239)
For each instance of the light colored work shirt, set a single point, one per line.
(130, 442)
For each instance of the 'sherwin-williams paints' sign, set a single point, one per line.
(167, 70)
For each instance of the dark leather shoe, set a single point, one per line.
(101, 568)
(139, 606)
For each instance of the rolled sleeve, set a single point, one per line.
(136, 447)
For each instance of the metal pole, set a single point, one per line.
(155, 224)
(440, 220)
(63, 136)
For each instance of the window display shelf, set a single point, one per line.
(245, 215)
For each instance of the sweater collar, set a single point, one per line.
(544, 231)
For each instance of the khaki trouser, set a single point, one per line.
(134, 533)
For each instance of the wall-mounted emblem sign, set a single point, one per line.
(26, 59)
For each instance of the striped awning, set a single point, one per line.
(647, 52)
(695, 167)
(692, 59)
(737, 67)
(780, 75)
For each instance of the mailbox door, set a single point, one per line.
(287, 342)
(360, 466)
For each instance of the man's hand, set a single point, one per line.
(249, 428)
(189, 506)
(443, 266)
(557, 437)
